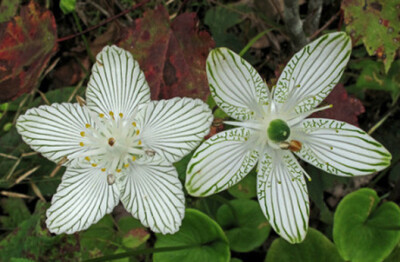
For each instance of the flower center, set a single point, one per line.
(112, 143)
(278, 130)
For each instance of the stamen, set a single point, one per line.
(82, 134)
(111, 113)
(134, 124)
(133, 158)
(140, 142)
(94, 165)
(121, 115)
(137, 132)
(87, 158)
(295, 146)
(81, 144)
(111, 141)
(119, 170)
(101, 115)
(126, 165)
(87, 125)
(103, 170)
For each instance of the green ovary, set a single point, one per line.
(278, 130)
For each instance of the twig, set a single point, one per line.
(104, 22)
(384, 118)
(330, 21)
(28, 173)
(9, 156)
(37, 192)
(13, 194)
(293, 23)
(313, 18)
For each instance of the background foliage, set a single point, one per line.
(44, 58)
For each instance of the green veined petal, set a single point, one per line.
(340, 148)
(282, 194)
(220, 162)
(152, 193)
(235, 85)
(312, 73)
(82, 199)
(117, 84)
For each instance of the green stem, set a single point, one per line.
(253, 40)
(144, 251)
(78, 24)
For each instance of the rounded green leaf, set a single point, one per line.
(315, 247)
(245, 225)
(246, 188)
(203, 237)
(362, 231)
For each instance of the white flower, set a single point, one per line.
(274, 127)
(120, 146)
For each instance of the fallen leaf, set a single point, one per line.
(172, 54)
(376, 24)
(344, 107)
(27, 43)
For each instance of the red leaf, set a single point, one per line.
(345, 108)
(27, 43)
(172, 54)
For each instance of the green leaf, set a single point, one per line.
(394, 256)
(133, 233)
(32, 239)
(100, 239)
(315, 247)
(376, 24)
(373, 77)
(204, 236)
(17, 211)
(364, 232)
(67, 6)
(8, 9)
(246, 188)
(219, 19)
(244, 223)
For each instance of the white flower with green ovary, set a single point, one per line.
(273, 128)
(120, 146)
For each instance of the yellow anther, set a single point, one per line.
(140, 142)
(103, 170)
(87, 125)
(101, 115)
(121, 115)
(126, 165)
(81, 144)
(94, 165)
(137, 132)
(87, 158)
(134, 124)
(118, 170)
(133, 158)
(82, 134)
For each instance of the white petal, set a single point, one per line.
(54, 130)
(173, 128)
(153, 194)
(220, 162)
(117, 84)
(340, 148)
(282, 194)
(235, 85)
(82, 199)
(312, 73)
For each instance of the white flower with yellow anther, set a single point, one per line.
(274, 127)
(120, 146)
